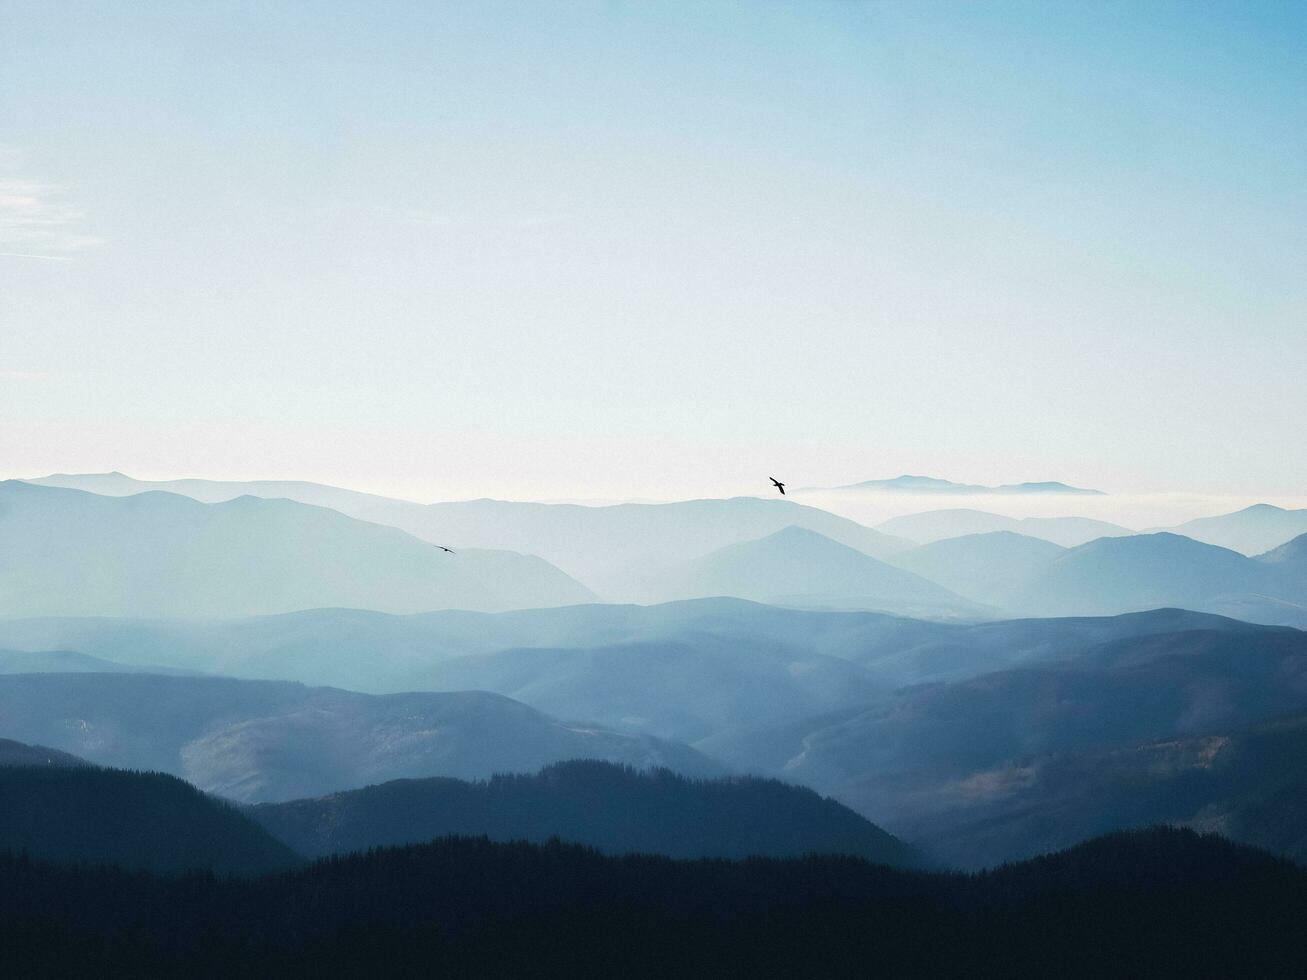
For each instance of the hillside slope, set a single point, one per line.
(906, 757)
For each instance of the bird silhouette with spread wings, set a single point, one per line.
(778, 484)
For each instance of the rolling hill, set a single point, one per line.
(986, 568)
(263, 740)
(799, 567)
(936, 525)
(1144, 571)
(613, 808)
(68, 552)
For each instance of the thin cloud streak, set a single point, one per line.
(33, 255)
(38, 221)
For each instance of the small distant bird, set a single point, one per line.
(451, 550)
(778, 484)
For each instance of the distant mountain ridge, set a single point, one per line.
(589, 542)
(117, 484)
(71, 552)
(929, 484)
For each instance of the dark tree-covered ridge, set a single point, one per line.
(616, 809)
(145, 820)
(1161, 902)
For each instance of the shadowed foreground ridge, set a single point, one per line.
(145, 820)
(1161, 902)
(617, 809)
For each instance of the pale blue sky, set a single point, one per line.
(620, 249)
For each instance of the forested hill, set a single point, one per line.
(1153, 903)
(617, 809)
(133, 819)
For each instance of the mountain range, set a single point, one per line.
(591, 543)
(928, 729)
(684, 661)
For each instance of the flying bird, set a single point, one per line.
(778, 484)
(443, 548)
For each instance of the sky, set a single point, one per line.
(609, 250)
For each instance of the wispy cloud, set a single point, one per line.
(36, 255)
(38, 219)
